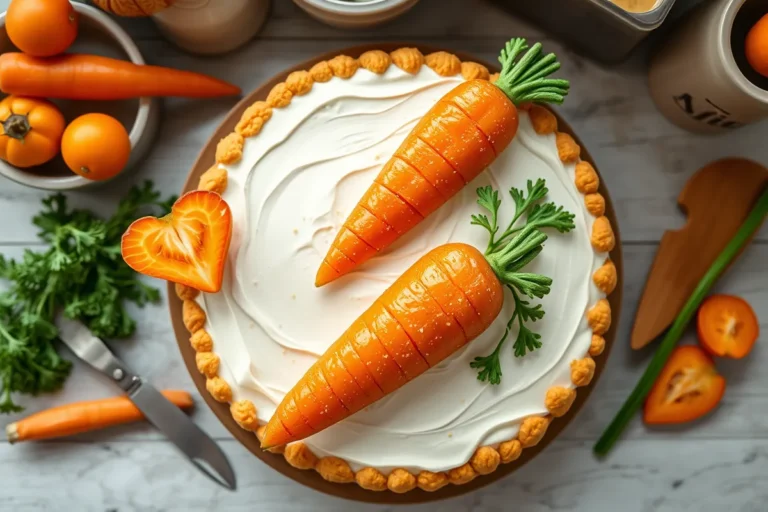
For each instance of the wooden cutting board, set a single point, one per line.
(716, 200)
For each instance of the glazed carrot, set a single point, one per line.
(79, 417)
(453, 143)
(396, 317)
(446, 299)
(92, 77)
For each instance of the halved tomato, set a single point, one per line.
(727, 326)
(688, 388)
(188, 246)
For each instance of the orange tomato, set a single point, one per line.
(756, 46)
(96, 146)
(727, 326)
(688, 388)
(31, 131)
(41, 28)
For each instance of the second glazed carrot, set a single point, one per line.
(92, 77)
(79, 417)
(419, 321)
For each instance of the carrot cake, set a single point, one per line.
(291, 172)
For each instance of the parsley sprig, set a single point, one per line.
(80, 272)
(508, 253)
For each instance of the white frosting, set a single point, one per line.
(289, 195)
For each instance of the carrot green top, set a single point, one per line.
(509, 253)
(525, 79)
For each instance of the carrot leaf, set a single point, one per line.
(488, 198)
(523, 203)
(509, 254)
(524, 72)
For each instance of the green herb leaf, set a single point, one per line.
(488, 198)
(509, 255)
(82, 273)
(550, 215)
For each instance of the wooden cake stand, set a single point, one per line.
(311, 478)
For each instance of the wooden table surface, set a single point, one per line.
(717, 464)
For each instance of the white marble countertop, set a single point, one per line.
(716, 464)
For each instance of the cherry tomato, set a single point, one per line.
(96, 146)
(41, 28)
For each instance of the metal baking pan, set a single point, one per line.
(597, 28)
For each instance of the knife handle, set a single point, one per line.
(101, 358)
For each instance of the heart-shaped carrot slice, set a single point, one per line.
(188, 246)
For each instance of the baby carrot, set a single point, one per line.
(442, 302)
(453, 143)
(79, 417)
(92, 77)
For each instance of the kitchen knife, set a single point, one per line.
(195, 444)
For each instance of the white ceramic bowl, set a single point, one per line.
(98, 34)
(359, 14)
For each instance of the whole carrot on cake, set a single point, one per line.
(452, 144)
(445, 300)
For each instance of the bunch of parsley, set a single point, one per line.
(81, 273)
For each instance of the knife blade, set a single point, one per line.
(190, 439)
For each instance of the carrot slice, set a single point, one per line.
(319, 387)
(340, 262)
(342, 383)
(395, 341)
(474, 277)
(445, 128)
(451, 299)
(411, 186)
(292, 419)
(353, 247)
(384, 370)
(431, 165)
(370, 229)
(310, 407)
(435, 334)
(486, 106)
(189, 246)
(390, 208)
(358, 370)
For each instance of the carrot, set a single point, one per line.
(453, 143)
(92, 77)
(79, 417)
(408, 333)
(445, 300)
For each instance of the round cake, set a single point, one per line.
(291, 172)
